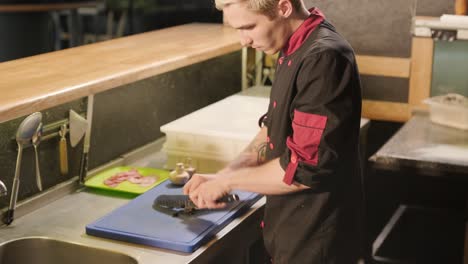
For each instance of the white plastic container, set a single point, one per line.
(215, 134)
(449, 110)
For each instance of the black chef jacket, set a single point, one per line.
(313, 122)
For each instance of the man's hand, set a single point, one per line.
(195, 181)
(204, 190)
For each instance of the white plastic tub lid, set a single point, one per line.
(451, 100)
(233, 117)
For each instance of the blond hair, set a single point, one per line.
(261, 6)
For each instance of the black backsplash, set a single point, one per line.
(48, 154)
(130, 116)
(124, 118)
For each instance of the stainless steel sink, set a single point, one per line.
(43, 250)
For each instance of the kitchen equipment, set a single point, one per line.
(63, 151)
(24, 134)
(179, 176)
(36, 140)
(183, 202)
(138, 222)
(214, 135)
(29, 249)
(87, 139)
(78, 126)
(97, 181)
(449, 110)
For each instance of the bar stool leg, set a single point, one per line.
(74, 28)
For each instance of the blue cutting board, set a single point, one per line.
(138, 222)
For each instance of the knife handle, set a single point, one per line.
(63, 151)
(183, 201)
(63, 157)
(83, 168)
(228, 198)
(9, 216)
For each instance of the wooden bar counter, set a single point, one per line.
(47, 80)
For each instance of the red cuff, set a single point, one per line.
(290, 170)
(304, 143)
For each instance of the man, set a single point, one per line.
(305, 158)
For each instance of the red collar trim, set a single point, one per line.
(300, 35)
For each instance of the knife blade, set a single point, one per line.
(78, 126)
(184, 202)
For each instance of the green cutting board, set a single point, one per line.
(97, 181)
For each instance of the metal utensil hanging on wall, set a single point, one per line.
(63, 150)
(24, 135)
(36, 140)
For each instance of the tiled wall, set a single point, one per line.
(124, 118)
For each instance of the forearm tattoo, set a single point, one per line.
(253, 155)
(257, 151)
(261, 153)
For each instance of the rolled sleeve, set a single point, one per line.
(321, 112)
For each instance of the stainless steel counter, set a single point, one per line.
(428, 147)
(422, 148)
(66, 218)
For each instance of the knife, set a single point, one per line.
(84, 156)
(184, 202)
